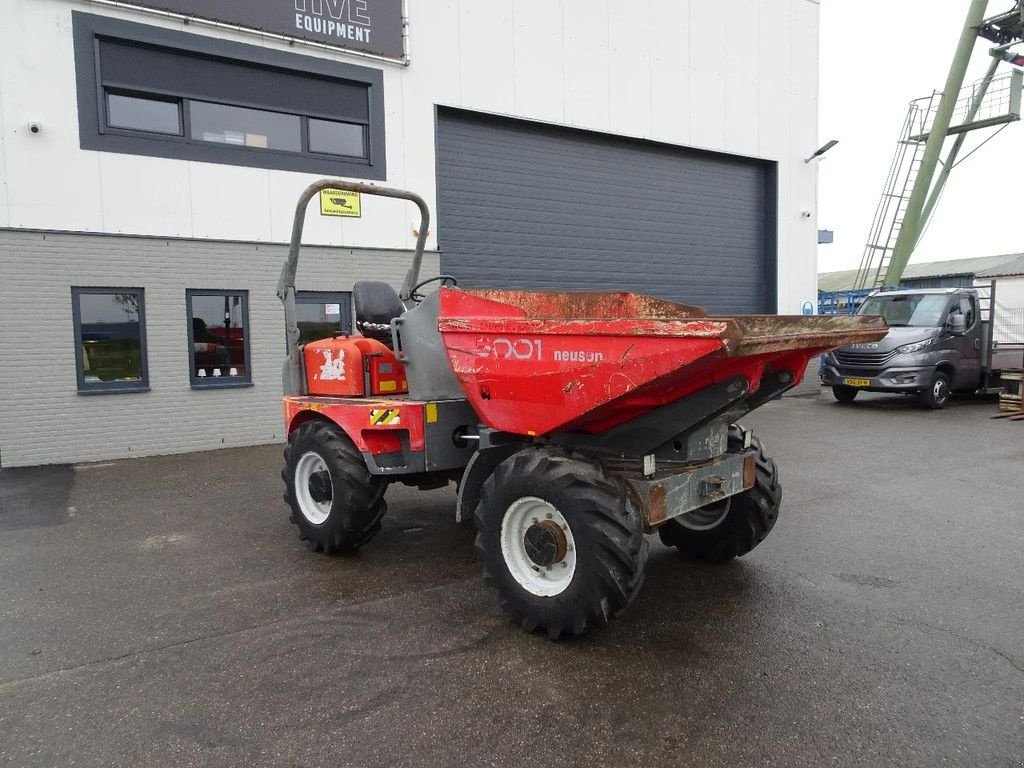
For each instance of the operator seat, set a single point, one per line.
(376, 305)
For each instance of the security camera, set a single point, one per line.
(35, 128)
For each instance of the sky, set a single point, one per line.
(876, 56)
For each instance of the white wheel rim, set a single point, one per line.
(543, 581)
(706, 518)
(939, 390)
(315, 511)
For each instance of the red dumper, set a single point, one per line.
(575, 424)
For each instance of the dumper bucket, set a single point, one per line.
(533, 363)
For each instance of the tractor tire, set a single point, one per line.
(560, 541)
(719, 532)
(937, 394)
(335, 502)
(844, 394)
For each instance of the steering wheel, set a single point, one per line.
(415, 295)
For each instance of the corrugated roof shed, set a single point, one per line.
(955, 266)
(980, 266)
(837, 281)
(1015, 266)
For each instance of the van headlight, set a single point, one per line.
(917, 346)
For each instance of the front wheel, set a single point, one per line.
(844, 394)
(560, 542)
(937, 394)
(730, 528)
(336, 503)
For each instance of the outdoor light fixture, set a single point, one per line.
(822, 150)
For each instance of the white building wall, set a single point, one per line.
(653, 69)
(4, 211)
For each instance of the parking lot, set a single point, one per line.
(161, 612)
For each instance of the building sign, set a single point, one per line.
(339, 202)
(370, 26)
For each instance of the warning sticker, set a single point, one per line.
(340, 202)
(385, 417)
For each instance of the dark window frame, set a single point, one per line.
(331, 297)
(108, 387)
(212, 382)
(95, 134)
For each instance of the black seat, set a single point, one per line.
(376, 305)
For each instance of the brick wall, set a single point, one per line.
(44, 420)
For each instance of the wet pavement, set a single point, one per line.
(162, 612)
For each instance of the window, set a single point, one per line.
(238, 126)
(321, 314)
(245, 127)
(920, 310)
(218, 338)
(143, 114)
(149, 91)
(337, 138)
(110, 339)
(965, 307)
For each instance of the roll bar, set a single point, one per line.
(286, 284)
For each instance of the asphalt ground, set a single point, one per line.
(162, 612)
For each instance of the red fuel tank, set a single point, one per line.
(352, 366)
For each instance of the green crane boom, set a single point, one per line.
(910, 232)
(912, 188)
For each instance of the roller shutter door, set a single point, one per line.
(522, 205)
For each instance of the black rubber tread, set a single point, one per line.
(752, 514)
(927, 396)
(844, 394)
(358, 496)
(611, 548)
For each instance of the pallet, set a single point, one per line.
(1014, 415)
(1010, 401)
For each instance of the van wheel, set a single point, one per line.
(844, 394)
(937, 395)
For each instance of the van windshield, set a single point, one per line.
(921, 310)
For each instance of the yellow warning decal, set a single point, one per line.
(385, 417)
(389, 386)
(340, 202)
(431, 410)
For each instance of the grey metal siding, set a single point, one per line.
(43, 419)
(949, 281)
(524, 205)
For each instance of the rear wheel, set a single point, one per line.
(730, 528)
(336, 503)
(560, 542)
(844, 394)
(937, 394)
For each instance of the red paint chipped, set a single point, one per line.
(533, 349)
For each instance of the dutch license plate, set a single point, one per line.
(857, 382)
